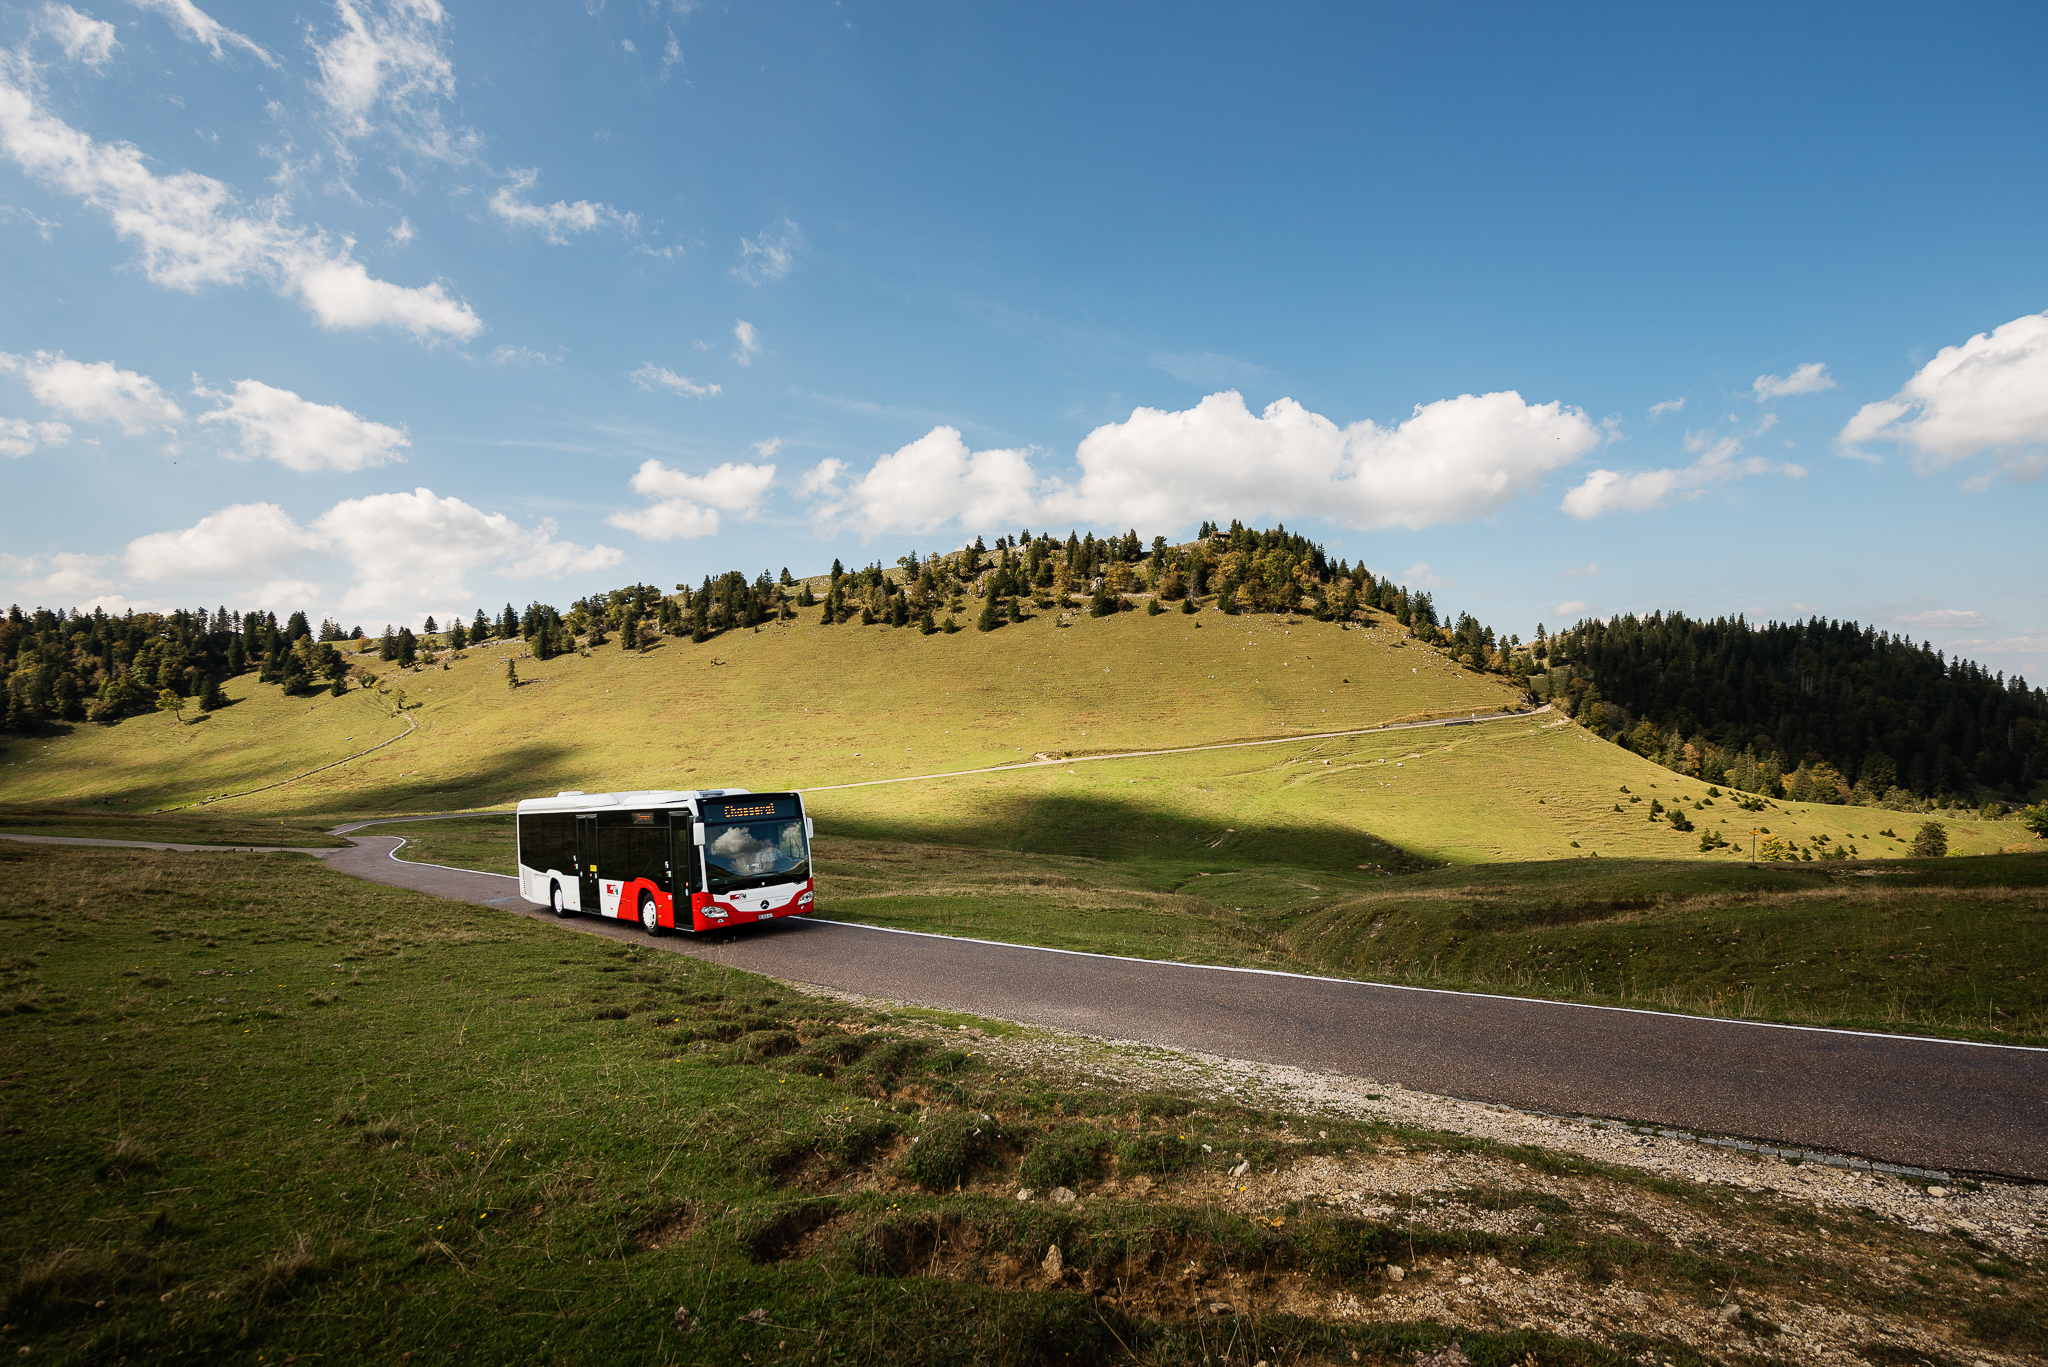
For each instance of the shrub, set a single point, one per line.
(1930, 841)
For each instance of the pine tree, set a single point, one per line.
(408, 648)
(511, 674)
(339, 688)
(989, 619)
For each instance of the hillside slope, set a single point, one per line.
(800, 705)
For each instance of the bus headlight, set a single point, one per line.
(804, 900)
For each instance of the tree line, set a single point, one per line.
(78, 666)
(1819, 711)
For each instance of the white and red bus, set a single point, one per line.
(691, 860)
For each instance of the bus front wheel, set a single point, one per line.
(650, 919)
(555, 900)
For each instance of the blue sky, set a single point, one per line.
(388, 309)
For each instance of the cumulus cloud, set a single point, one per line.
(96, 391)
(927, 484)
(408, 548)
(689, 504)
(651, 377)
(193, 231)
(243, 541)
(750, 342)
(411, 554)
(1451, 461)
(66, 577)
(1990, 394)
(389, 68)
(558, 220)
(1810, 378)
(1720, 461)
(19, 437)
(83, 38)
(1570, 607)
(1658, 410)
(197, 26)
(771, 253)
(1936, 618)
(276, 424)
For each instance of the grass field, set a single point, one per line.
(178, 828)
(262, 1112)
(789, 705)
(1953, 947)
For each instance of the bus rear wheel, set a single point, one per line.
(650, 918)
(555, 900)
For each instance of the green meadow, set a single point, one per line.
(1519, 854)
(261, 1112)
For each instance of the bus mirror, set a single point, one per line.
(697, 833)
(809, 830)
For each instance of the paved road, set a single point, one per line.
(1927, 1103)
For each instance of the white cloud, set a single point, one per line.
(750, 342)
(1988, 394)
(505, 355)
(97, 391)
(627, 45)
(689, 503)
(193, 231)
(1937, 618)
(927, 484)
(199, 27)
(555, 221)
(1419, 575)
(1586, 571)
(410, 549)
(238, 542)
(392, 66)
(83, 38)
(1451, 461)
(64, 579)
(1570, 607)
(651, 377)
(404, 232)
(769, 254)
(19, 437)
(822, 479)
(1720, 461)
(1810, 378)
(671, 54)
(276, 424)
(731, 486)
(667, 520)
(1658, 410)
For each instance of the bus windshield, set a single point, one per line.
(749, 854)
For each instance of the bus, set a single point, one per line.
(693, 860)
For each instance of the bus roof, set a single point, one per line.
(651, 797)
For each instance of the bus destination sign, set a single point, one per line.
(751, 809)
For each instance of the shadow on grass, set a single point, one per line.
(1094, 827)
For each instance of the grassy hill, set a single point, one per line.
(801, 705)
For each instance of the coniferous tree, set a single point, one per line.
(408, 648)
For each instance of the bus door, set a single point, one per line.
(586, 863)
